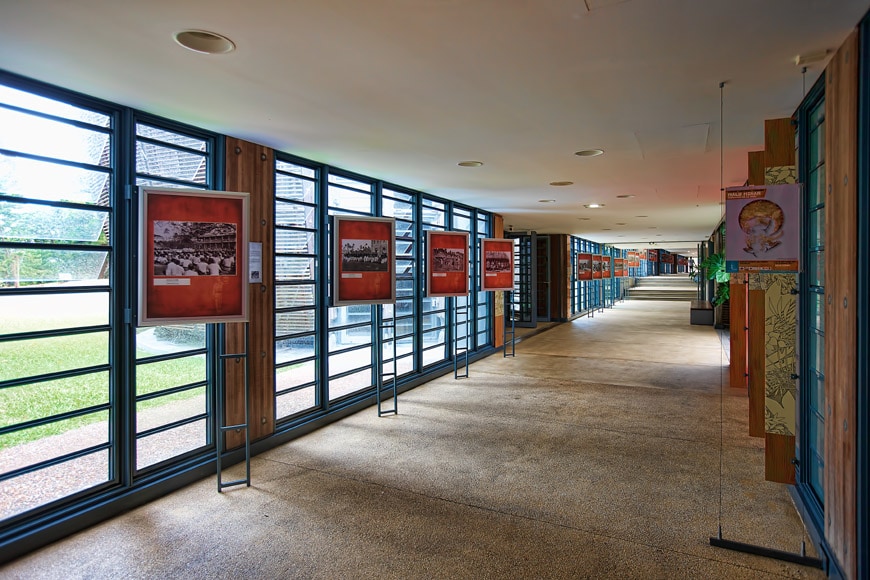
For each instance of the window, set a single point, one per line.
(350, 331)
(297, 239)
(58, 388)
(172, 394)
(811, 439)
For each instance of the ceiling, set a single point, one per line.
(403, 90)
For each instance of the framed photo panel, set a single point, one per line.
(497, 257)
(605, 267)
(363, 260)
(446, 263)
(584, 266)
(619, 267)
(596, 266)
(193, 256)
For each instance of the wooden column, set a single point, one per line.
(737, 369)
(250, 168)
(560, 277)
(498, 303)
(780, 330)
(841, 238)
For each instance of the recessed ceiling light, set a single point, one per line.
(546, 201)
(658, 235)
(589, 153)
(584, 219)
(470, 163)
(653, 228)
(620, 223)
(606, 229)
(561, 183)
(625, 196)
(204, 42)
(593, 205)
(641, 216)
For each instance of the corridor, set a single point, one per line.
(595, 452)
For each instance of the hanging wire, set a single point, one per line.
(721, 342)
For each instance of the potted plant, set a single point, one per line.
(713, 268)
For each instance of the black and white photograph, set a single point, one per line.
(498, 262)
(448, 260)
(365, 256)
(183, 248)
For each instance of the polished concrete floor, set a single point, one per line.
(609, 447)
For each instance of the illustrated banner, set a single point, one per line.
(763, 225)
(193, 256)
(447, 263)
(605, 266)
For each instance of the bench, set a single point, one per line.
(701, 312)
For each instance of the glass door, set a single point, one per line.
(523, 306)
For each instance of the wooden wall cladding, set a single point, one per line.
(498, 302)
(778, 143)
(756, 168)
(737, 371)
(841, 241)
(250, 168)
(560, 277)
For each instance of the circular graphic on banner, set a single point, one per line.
(762, 221)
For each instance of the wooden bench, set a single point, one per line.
(701, 312)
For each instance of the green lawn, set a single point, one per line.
(22, 359)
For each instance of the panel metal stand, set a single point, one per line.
(509, 314)
(221, 428)
(460, 350)
(801, 558)
(389, 328)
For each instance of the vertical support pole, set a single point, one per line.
(460, 350)
(509, 311)
(390, 328)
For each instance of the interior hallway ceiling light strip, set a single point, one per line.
(719, 541)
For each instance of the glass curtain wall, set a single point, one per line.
(90, 403)
(58, 304)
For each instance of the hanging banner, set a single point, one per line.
(497, 272)
(193, 256)
(447, 263)
(605, 267)
(584, 266)
(596, 267)
(652, 255)
(763, 228)
(363, 260)
(619, 267)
